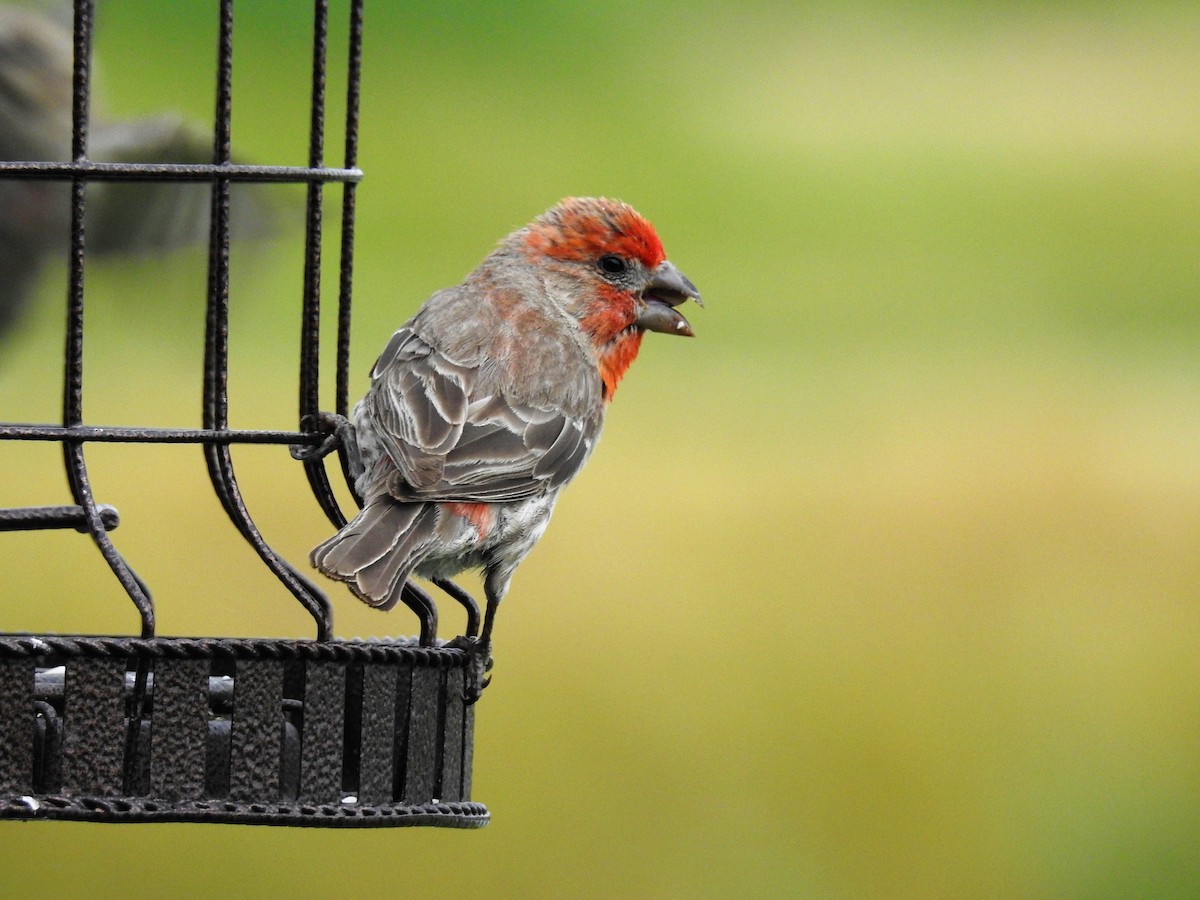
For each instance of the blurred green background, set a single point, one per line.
(884, 586)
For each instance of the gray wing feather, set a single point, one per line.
(451, 439)
(418, 402)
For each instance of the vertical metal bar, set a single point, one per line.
(48, 730)
(377, 743)
(349, 194)
(94, 743)
(179, 732)
(216, 345)
(17, 725)
(420, 778)
(254, 765)
(311, 320)
(216, 351)
(216, 338)
(73, 459)
(450, 783)
(137, 735)
(310, 331)
(324, 732)
(468, 745)
(403, 701)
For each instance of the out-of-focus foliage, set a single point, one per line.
(885, 585)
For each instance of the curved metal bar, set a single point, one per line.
(137, 590)
(318, 476)
(423, 607)
(220, 470)
(77, 475)
(349, 193)
(465, 600)
(216, 354)
(310, 334)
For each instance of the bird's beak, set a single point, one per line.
(667, 289)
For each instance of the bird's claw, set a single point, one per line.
(335, 429)
(472, 692)
(479, 662)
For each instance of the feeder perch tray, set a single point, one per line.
(267, 732)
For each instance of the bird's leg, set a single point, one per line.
(489, 617)
(467, 601)
(483, 654)
(422, 604)
(479, 649)
(495, 586)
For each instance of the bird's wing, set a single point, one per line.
(452, 439)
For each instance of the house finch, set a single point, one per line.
(491, 398)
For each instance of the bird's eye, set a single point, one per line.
(612, 265)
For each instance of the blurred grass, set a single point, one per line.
(884, 586)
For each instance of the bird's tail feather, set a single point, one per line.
(375, 553)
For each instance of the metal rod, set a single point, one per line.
(216, 352)
(119, 434)
(73, 459)
(101, 171)
(310, 332)
(349, 193)
(39, 518)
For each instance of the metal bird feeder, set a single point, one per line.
(320, 732)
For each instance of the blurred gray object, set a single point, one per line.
(36, 70)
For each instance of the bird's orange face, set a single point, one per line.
(629, 287)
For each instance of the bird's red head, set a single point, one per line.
(586, 228)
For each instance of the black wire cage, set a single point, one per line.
(320, 732)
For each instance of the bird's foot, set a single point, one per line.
(337, 431)
(334, 430)
(479, 663)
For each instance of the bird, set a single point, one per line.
(140, 219)
(490, 399)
